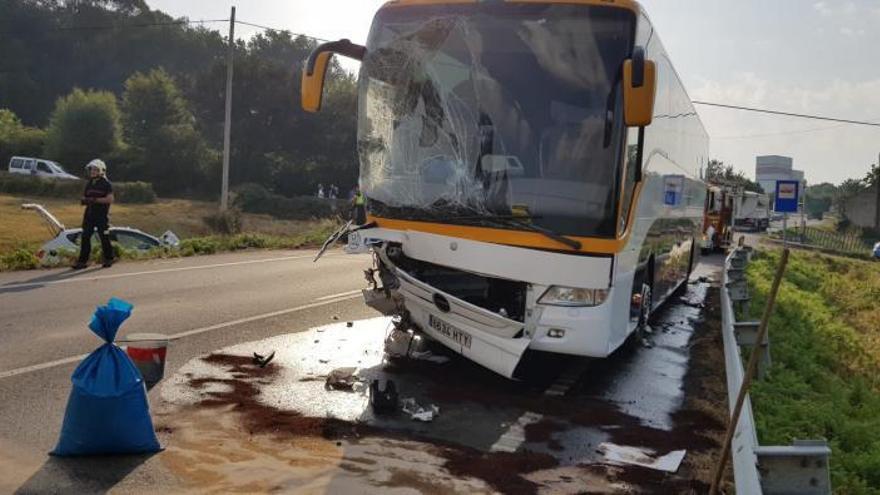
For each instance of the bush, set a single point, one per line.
(134, 192)
(225, 222)
(254, 198)
(124, 192)
(20, 259)
(824, 380)
(17, 139)
(199, 245)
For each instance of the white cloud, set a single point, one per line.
(822, 8)
(851, 32)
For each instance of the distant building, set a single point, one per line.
(771, 168)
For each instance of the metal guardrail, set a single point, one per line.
(800, 468)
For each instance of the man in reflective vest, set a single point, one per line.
(359, 204)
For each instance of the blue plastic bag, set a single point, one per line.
(107, 412)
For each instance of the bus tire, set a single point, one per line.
(647, 293)
(692, 256)
(642, 328)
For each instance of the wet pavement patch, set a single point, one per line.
(499, 469)
(640, 397)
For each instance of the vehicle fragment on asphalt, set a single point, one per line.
(621, 454)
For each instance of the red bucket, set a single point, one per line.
(147, 351)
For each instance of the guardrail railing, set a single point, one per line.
(800, 468)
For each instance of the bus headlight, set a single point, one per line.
(569, 296)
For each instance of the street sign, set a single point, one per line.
(787, 196)
(673, 187)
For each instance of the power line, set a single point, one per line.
(785, 133)
(117, 26)
(251, 24)
(788, 114)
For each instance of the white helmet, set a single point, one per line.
(98, 164)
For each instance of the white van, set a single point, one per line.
(38, 167)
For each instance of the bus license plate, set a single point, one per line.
(449, 331)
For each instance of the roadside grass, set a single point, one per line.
(22, 232)
(825, 374)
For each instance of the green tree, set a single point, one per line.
(83, 126)
(18, 139)
(165, 146)
(846, 191)
(719, 173)
(819, 199)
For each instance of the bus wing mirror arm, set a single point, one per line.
(639, 88)
(315, 70)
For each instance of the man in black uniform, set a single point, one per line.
(97, 198)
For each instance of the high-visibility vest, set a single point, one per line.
(359, 199)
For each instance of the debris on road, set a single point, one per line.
(407, 344)
(262, 361)
(343, 379)
(383, 400)
(417, 412)
(620, 454)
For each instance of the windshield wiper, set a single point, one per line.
(517, 221)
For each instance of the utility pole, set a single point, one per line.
(877, 191)
(227, 124)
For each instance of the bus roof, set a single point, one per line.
(624, 4)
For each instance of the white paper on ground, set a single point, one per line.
(642, 457)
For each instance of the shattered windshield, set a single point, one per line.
(497, 109)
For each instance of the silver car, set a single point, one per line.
(64, 239)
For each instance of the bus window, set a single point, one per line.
(629, 178)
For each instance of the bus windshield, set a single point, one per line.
(469, 112)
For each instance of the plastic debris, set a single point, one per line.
(620, 454)
(383, 400)
(262, 361)
(107, 412)
(407, 344)
(417, 412)
(342, 379)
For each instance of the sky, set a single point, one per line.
(804, 56)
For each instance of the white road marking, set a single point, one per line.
(42, 366)
(341, 294)
(188, 333)
(515, 435)
(151, 272)
(263, 316)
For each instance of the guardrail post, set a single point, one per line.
(801, 468)
(746, 333)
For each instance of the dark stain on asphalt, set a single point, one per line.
(543, 432)
(500, 470)
(598, 404)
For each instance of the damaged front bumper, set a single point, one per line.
(480, 299)
(487, 338)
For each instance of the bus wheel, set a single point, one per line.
(692, 256)
(643, 328)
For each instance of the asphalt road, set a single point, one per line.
(204, 302)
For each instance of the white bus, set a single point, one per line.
(532, 172)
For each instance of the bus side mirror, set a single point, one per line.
(639, 87)
(315, 70)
